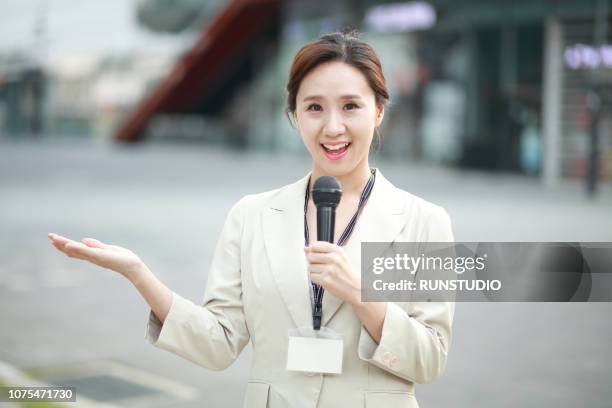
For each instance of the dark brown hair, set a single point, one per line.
(342, 46)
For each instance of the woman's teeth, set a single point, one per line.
(335, 147)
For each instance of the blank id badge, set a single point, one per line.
(315, 351)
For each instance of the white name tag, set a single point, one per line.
(315, 355)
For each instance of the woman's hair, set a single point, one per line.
(342, 46)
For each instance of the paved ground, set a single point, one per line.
(167, 203)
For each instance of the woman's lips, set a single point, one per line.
(336, 154)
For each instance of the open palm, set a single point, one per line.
(112, 257)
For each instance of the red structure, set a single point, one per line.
(210, 67)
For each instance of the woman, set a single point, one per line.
(258, 285)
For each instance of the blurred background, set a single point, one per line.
(140, 122)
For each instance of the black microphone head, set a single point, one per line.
(326, 191)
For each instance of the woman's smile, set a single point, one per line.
(335, 150)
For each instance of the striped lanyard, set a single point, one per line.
(318, 291)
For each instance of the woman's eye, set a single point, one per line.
(314, 107)
(351, 106)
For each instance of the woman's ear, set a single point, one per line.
(380, 114)
(295, 121)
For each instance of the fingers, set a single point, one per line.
(322, 275)
(89, 250)
(320, 279)
(94, 243)
(318, 269)
(81, 251)
(58, 239)
(59, 242)
(321, 258)
(322, 246)
(321, 252)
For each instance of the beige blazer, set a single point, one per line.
(258, 289)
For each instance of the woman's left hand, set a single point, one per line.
(329, 268)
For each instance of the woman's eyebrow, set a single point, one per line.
(317, 97)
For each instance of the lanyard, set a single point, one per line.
(318, 291)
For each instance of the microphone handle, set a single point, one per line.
(326, 221)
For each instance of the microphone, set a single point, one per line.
(326, 194)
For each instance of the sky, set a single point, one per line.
(79, 27)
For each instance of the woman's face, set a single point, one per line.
(336, 114)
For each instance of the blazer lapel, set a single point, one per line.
(381, 220)
(283, 227)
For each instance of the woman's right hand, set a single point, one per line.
(112, 257)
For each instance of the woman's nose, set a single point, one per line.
(334, 125)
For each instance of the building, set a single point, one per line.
(498, 85)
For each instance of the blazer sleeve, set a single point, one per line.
(415, 335)
(212, 334)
